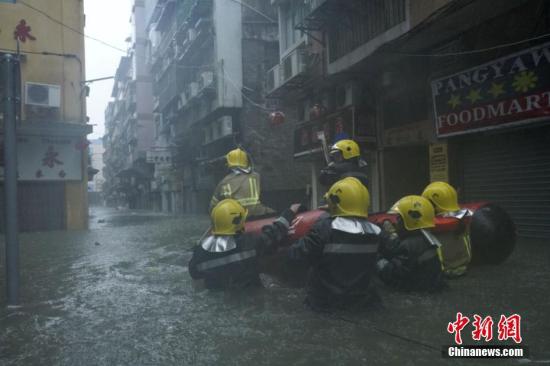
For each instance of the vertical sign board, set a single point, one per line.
(508, 91)
(439, 163)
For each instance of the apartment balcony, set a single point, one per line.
(204, 84)
(166, 91)
(290, 74)
(194, 38)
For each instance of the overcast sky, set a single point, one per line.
(107, 20)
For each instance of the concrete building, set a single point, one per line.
(412, 82)
(96, 159)
(129, 124)
(52, 145)
(209, 60)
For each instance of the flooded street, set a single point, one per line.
(120, 294)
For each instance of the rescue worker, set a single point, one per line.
(241, 184)
(408, 257)
(228, 257)
(345, 162)
(340, 248)
(455, 251)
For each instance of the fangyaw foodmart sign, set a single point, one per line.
(508, 91)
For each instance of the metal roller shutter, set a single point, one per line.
(41, 206)
(512, 170)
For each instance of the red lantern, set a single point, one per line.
(277, 117)
(317, 111)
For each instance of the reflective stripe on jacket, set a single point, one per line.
(342, 262)
(243, 187)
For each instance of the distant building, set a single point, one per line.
(96, 158)
(52, 145)
(129, 125)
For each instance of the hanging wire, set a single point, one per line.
(69, 27)
(239, 89)
(469, 52)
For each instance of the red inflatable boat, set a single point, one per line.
(492, 232)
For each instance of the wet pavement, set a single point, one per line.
(120, 294)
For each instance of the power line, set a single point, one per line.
(69, 27)
(255, 11)
(461, 53)
(43, 53)
(259, 106)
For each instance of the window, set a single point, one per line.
(292, 14)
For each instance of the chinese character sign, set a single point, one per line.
(22, 32)
(510, 90)
(42, 158)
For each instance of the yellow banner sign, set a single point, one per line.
(439, 163)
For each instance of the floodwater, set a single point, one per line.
(120, 294)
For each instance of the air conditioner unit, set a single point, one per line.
(207, 78)
(43, 95)
(193, 89)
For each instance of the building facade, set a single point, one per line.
(129, 124)
(432, 90)
(209, 59)
(52, 129)
(96, 162)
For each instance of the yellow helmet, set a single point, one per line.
(228, 217)
(348, 197)
(348, 148)
(416, 212)
(442, 195)
(237, 159)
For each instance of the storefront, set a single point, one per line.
(51, 184)
(496, 119)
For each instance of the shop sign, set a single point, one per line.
(335, 126)
(439, 163)
(41, 158)
(511, 90)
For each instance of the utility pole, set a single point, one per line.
(9, 69)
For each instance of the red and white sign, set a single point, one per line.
(511, 90)
(45, 158)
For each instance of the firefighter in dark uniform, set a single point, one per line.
(341, 249)
(408, 256)
(345, 162)
(241, 184)
(455, 251)
(228, 258)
